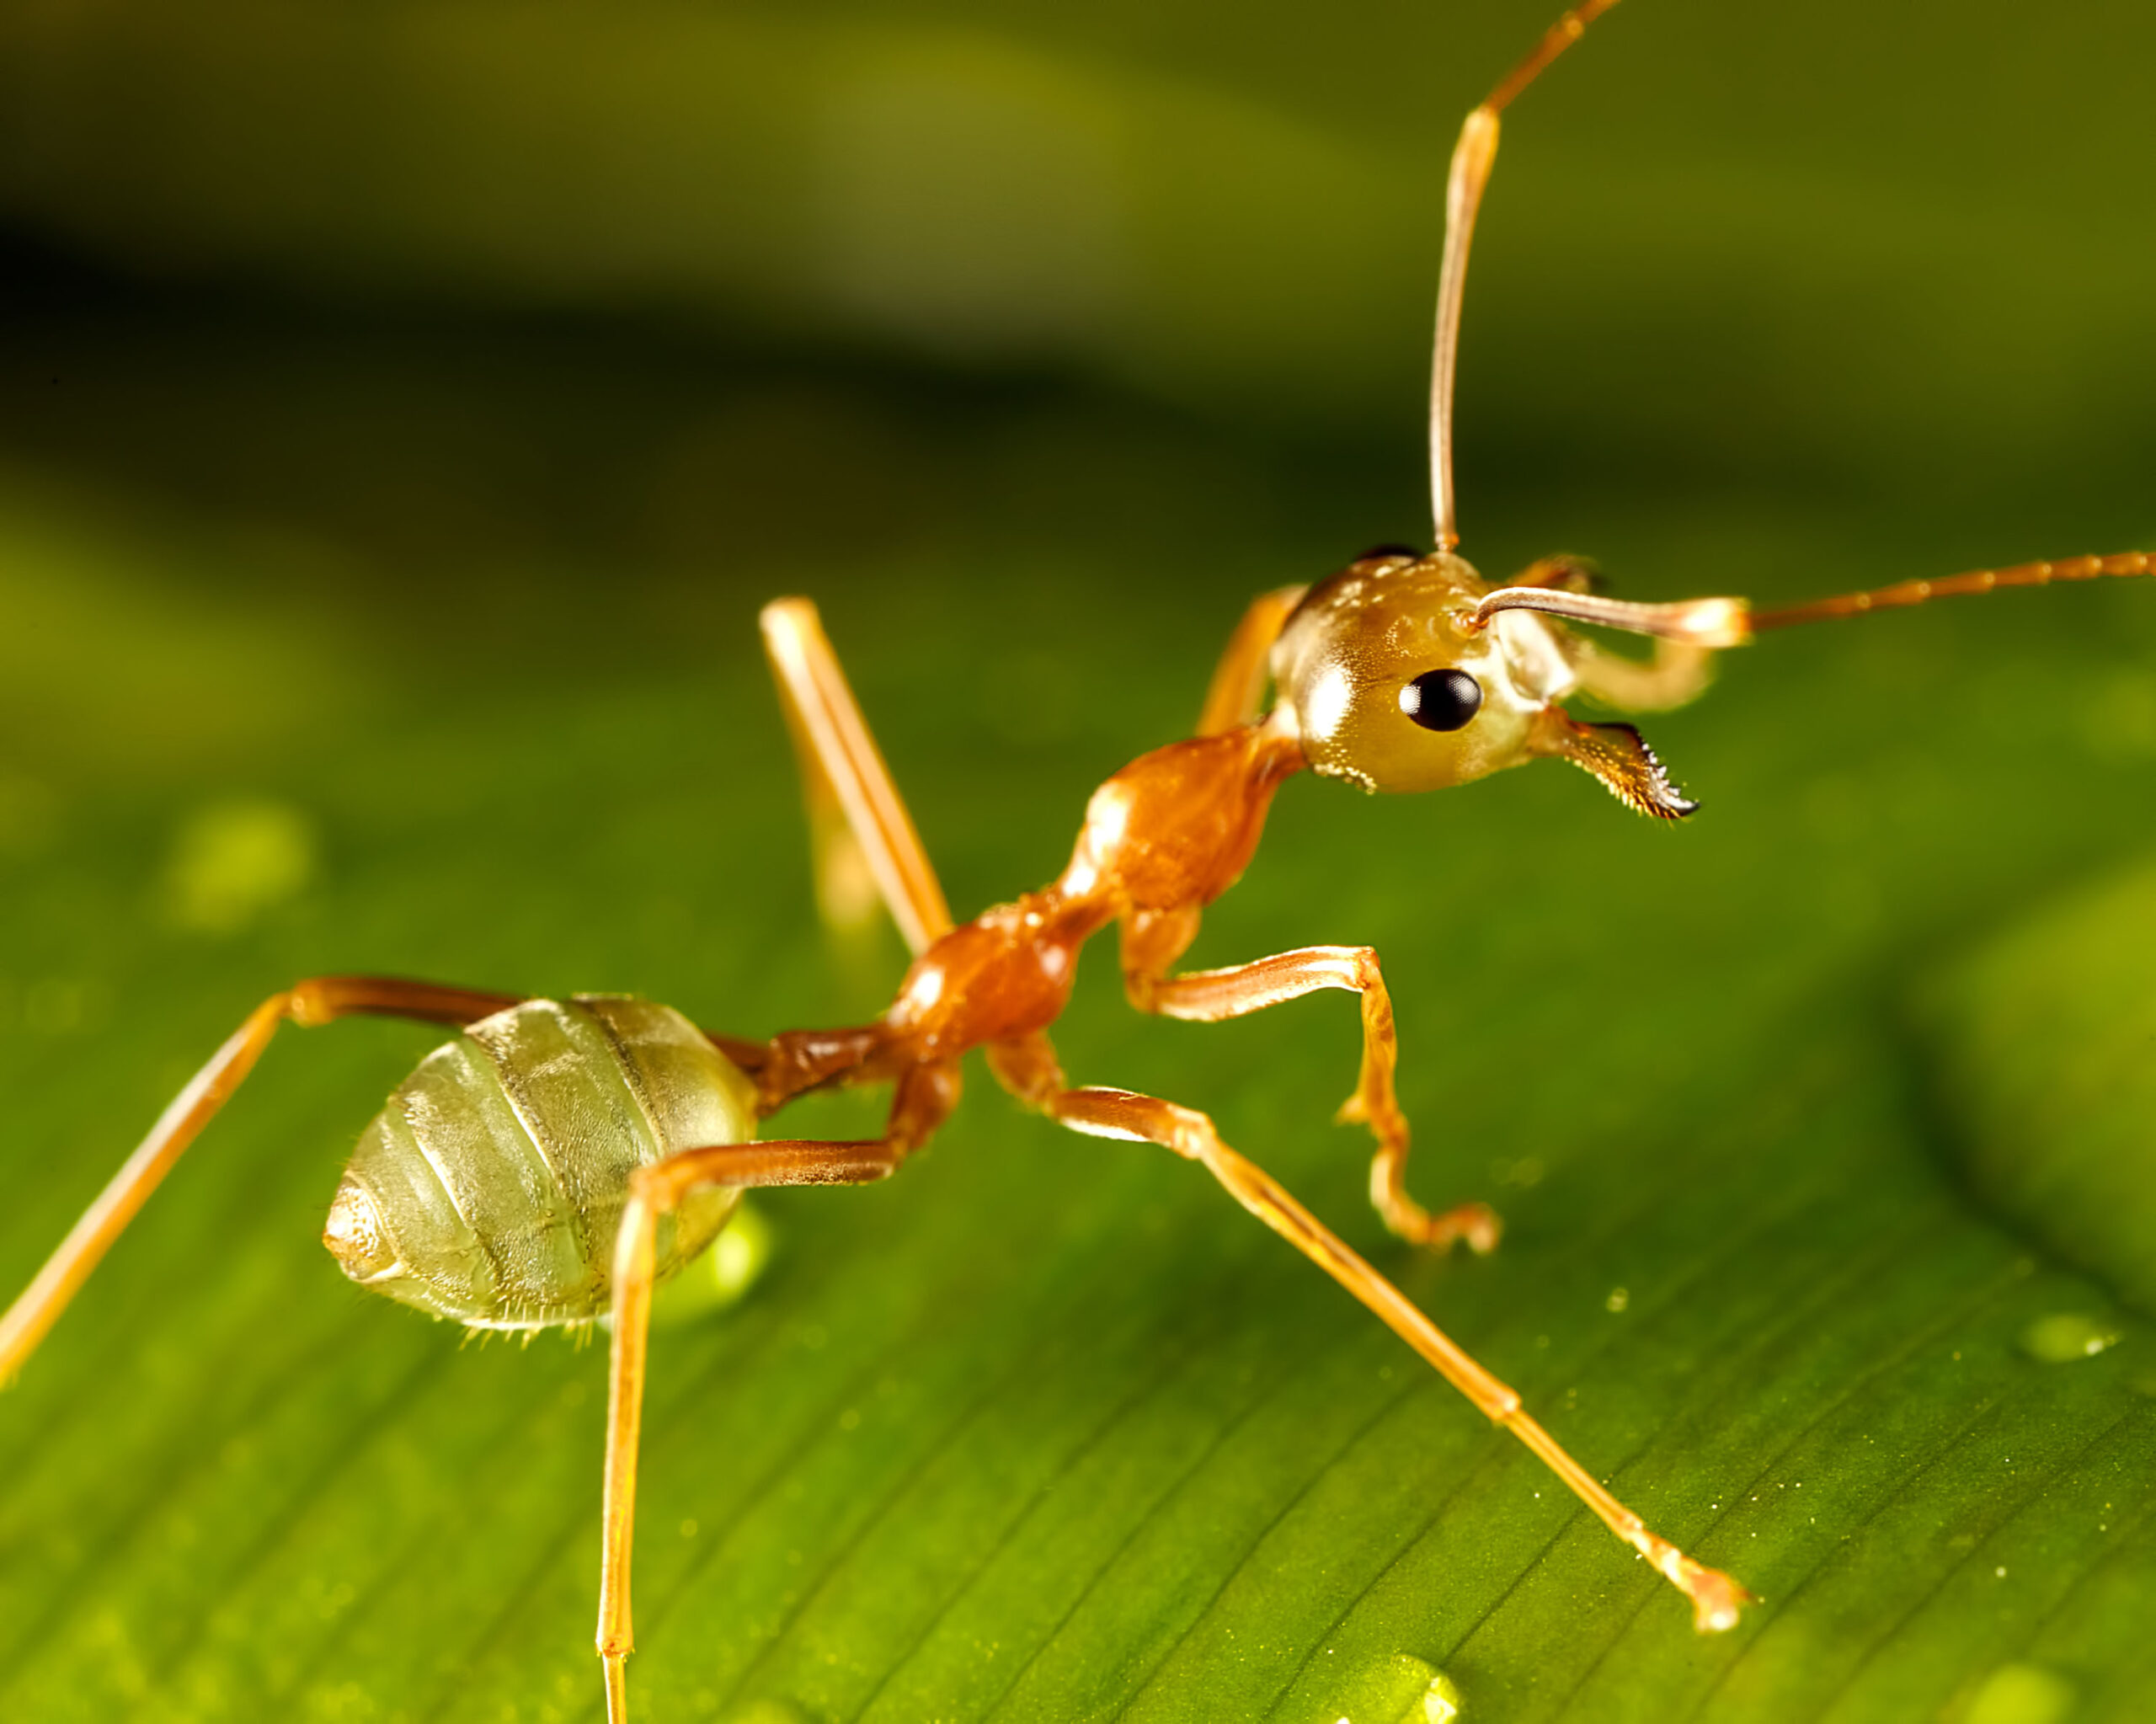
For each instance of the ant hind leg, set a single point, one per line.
(320, 1001)
(924, 1098)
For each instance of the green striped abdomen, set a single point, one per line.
(489, 1188)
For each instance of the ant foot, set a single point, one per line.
(1475, 1224)
(1718, 1600)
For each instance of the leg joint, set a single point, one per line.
(653, 1187)
(1142, 989)
(308, 1004)
(1192, 1133)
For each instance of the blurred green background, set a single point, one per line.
(404, 409)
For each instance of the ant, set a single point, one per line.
(560, 1158)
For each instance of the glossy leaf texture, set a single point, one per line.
(417, 635)
(1046, 1428)
(2044, 1036)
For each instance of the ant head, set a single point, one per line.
(1395, 679)
(1393, 686)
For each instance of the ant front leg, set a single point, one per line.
(1028, 1068)
(320, 1001)
(1237, 691)
(924, 1098)
(1152, 942)
(1678, 674)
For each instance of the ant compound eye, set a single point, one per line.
(1377, 551)
(1442, 700)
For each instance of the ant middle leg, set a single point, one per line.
(1208, 996)
(1716, 1598)
(322, 999)
(924, 1098)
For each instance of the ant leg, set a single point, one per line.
(1575, 574)
(318, 1001)
(1237, 690)
(924, 1098)
(862, 838)
(1679, 672)
(1210, 996)
(1716, 1598)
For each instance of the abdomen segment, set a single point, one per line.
(489, 1188)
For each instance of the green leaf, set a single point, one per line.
(2048, 1057)
(422, 641)
(1046, 1428)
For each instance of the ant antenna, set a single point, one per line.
(1472, 158)
(1697, 623)
(1731, 622)
(1955, 586)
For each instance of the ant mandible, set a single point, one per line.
(559, 1159)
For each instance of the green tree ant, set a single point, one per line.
(558, 1159)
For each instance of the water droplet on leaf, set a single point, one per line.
(2021, 1694)
(232, 861)
(2065, 1335)
(723, 1275)
(1402, 1689)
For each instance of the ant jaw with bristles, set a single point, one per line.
(1617, 755)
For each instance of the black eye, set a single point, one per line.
(1378, 551)
(1442, 700)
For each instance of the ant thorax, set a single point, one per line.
(1390, 683)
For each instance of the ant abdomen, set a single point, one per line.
(489, 1188)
